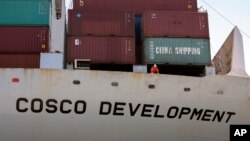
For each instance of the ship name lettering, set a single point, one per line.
(37, 105)
(129, 109)
(155, 111)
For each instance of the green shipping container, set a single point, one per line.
(24, 12)
(176, 51)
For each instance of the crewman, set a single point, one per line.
(154, 69)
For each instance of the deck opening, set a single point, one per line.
(115, 84)
(220, 92)
(187, 89)
(151, 86)
(76, 82)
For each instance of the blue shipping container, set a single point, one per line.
(25, 12)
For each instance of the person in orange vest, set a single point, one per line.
(154, 69)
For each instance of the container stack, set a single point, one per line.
(103, 37)
(24, 28)
(137, 7)
(166, 31)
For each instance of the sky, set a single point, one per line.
(238, 14)
(223, 16)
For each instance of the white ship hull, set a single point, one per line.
(46, 105)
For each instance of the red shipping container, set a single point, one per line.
(175, 24)
(19, 60)
(101, 23)
(137, 6)
(119, 50)
(24, 39)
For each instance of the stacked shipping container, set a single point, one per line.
(24, 28)
(175, 24)
(137, 6)
(18, 39)
(101, 36)
(176, 51)
(118, 50)
(101, 23)
(19, 60)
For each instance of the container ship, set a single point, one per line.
(84, 73)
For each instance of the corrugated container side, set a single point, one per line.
(24, 39)
(175, 24)
(137, 6)
(24, 13)
(19, 60)
(176, 51)
(120, 50)
(101, 23)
